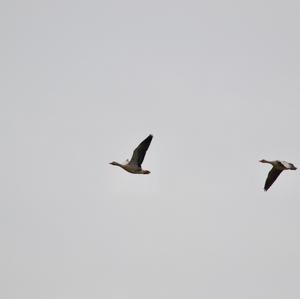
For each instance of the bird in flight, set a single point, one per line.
(135, 163)
(278, 167)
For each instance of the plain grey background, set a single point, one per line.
(83, 82)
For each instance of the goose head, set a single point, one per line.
(114, 163)
(146, 172)
(264, 161)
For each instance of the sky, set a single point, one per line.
(83, 83)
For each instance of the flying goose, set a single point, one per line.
(278, 167)
(135, 164)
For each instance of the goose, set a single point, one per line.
(135, 163)
(278, 167)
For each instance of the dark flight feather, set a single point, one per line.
(272, 176)
(140, 152)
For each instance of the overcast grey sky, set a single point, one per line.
(83, 82)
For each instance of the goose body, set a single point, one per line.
(278, 167)
(135, 163)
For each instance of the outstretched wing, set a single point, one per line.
(140, 152)
(272, 176)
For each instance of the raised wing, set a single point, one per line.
(272, 176)
(140, 152)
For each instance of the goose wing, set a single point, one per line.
(272, 176)
(140, 152)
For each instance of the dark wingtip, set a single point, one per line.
(150, 136)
